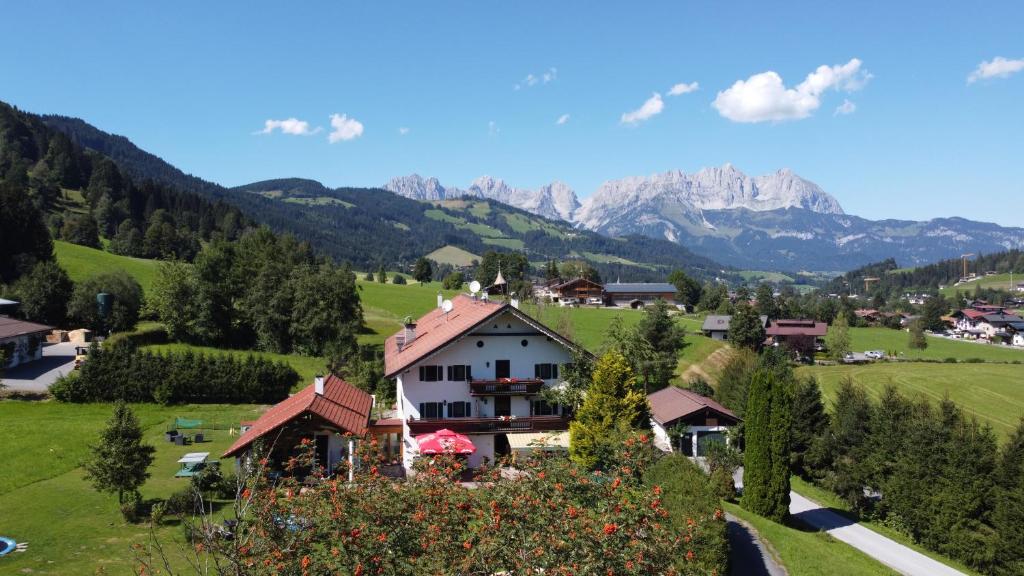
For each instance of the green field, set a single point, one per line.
(453, 255)
(306, 366)
(385, 305)
(889, 340)
(993, 393)
(809, 553)
(46, 502)
(998, 281)
(81, 262)
(756, 276)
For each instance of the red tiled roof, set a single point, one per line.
(12, 327)
(672, 403)
(434, 331)
(973, 314)
(341, 404)
(797, 328)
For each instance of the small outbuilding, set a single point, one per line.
(21, 341)
(686, 422)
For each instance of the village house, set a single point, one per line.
(21, 341)
(577, 291)
(322, 413)
(686, 422)
(638, 294)
(716, 326)
(796, 333)
(476, 368)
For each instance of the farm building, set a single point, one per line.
(21, 341)
(577, 291)
(716, 327)
(638, 294)
(796, 333)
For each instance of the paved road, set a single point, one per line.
(747, 554)
(888, 552)
(36, 377)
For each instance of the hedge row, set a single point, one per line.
(123, 372)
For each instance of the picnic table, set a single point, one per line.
(191, 464)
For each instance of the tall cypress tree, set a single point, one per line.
(766, 461)
(1008, 516)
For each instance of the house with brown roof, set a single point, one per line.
(476, 368)
(322, 413)
(577, 291)
(686, 422)
(798, 334)
(21, 341)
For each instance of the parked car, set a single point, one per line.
(875, 354)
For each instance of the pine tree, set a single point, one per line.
(766, 460)
(422, 271)
(766, 302)
(665, 338)
(1008, 516)
(120, 461)
(809, 423)
(838, 338)
(382, 275)
(614, 406)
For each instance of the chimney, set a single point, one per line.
(406, 336)
(318, 385)
(440, 299)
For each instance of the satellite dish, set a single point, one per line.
(447, 306)
(474, 286)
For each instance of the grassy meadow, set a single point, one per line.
(890, 340)
(81, 262)
(993, 393)
(997, 281)
(46, 502)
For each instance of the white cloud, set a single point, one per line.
(997, 67)
(546, 77)
(683, 88)
(845, 108)
(651, 107)
(344, 128)
(403, 131)
(562, 119)
(763, 97)
(292, 126)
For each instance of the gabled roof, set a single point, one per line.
(639, 288)
(672, 403)
(720, 323)
(341, 404)
(995, 319)
(568, 283)
(435, 330)
(797, 328)
(971, 313)
(12, 327)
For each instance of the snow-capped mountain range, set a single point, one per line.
(775, 221)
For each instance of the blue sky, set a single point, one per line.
(196, 82)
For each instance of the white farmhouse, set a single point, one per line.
(477, 370)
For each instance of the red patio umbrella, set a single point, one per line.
(444, 441)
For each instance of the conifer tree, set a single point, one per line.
(382, 275)
(809, 422)
(614, 405)
(745, 328)
(422, 271)
(120, 461)
(916, 338)
(1008, 516)
(766, 461)
(838, 338)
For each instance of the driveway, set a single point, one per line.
(36, 377)
(747, 554)
(889, 552)
(893, 554)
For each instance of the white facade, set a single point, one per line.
(1018, 339)
(501, 338)
(24, 348)
(667, 444)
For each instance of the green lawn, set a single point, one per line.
(81, 262)
(862, 339)
(46, 502)
(825, 498)
(306, 366)
(994, 393)
(385, 305)
(807, 553)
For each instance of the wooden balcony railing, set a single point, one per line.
(505, 387)
(490, 425)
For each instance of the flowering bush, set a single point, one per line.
(546, 515)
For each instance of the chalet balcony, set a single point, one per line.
(490, 425)
(505, 387)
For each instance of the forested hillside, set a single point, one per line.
(341, 222)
